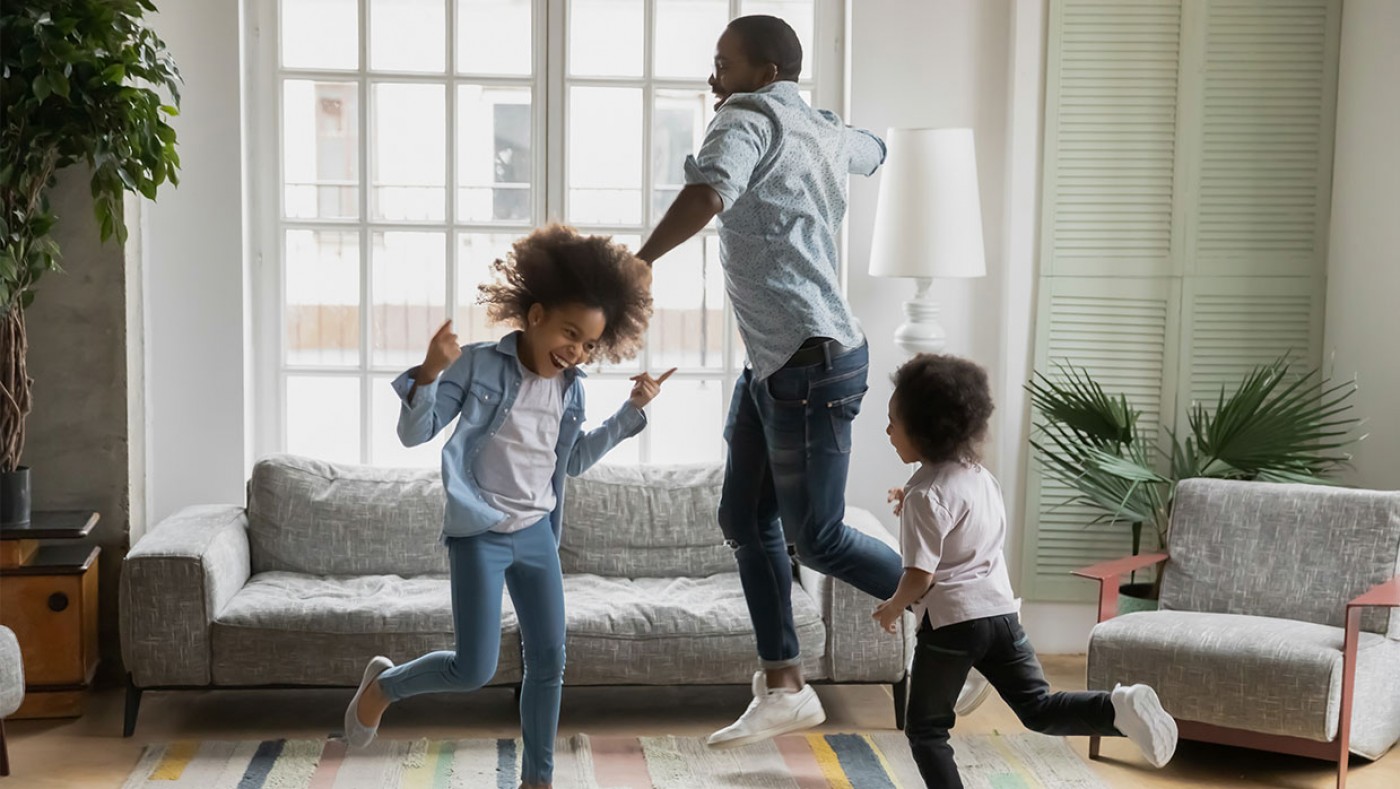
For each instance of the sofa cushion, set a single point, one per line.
(309, 516)
(317, 630)
(652, 522)
(1261, 674)
(672, 631)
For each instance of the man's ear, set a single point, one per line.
(770, 74)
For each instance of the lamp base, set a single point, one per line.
(921, 333)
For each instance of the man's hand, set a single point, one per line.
(888, 615)
(897, 496)
(443, 350)
(645, 389)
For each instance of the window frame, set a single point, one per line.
(825, 75)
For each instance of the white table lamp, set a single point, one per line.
(928, 223)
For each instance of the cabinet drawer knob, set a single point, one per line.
(58, 601)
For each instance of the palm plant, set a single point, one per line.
(1275, 427)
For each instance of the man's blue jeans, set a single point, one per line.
(785, 484)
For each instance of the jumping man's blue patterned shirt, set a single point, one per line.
(780, 167)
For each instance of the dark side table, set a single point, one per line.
(48, 596)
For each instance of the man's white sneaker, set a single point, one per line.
(975, 690)
(772, 712)
(1138, 714)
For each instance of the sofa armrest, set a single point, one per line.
(174, 582)
(1386, 593)
(1107, 574)
(857, 650)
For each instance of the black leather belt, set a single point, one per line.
(817, 350)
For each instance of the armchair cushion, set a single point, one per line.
(1274, 676)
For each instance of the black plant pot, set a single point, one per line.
(14, 497)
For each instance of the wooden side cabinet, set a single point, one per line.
(48, 596)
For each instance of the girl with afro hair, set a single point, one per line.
(519, 406)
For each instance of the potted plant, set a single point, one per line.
(81, 82)
(1275, 426)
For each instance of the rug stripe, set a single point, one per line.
(332, 756)
(256, 774)
(505, 764)
(177, 758)
(801, 762)
(895, 748)
(859, 762)
(420, 766)
(207, 765)
(442, 770)
(295, 765)
(884, 762)
(828, 761)
(148, 761)
(1019, 777)
(474, 764)
(619, 763)
(237, 765)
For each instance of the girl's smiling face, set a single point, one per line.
(557, 338)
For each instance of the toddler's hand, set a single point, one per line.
(645, 389)
(888, 616)
(897, 496)
(443, 350)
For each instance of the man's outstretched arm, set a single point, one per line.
(694, 207)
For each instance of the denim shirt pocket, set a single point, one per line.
(480, 405)
(570, 425)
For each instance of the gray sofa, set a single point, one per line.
(329, 565)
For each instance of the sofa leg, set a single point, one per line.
(1094, 743)
(901, 701)
(133, 706)
(4, 751)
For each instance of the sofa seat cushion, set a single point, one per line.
(672, 631)
(321, 630)
(1261, 674)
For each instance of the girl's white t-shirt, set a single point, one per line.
(515, 469)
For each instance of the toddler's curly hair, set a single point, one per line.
(945, 403)
(556, 265)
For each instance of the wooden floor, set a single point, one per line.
(90, 751)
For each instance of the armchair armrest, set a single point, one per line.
(857, 650)
(1107, 574)
(174, 582)
(1386, 593)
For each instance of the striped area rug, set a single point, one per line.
(815, 761)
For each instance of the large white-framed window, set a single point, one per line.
(400, 146)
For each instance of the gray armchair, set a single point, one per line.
(11, 688)
(1279, 626)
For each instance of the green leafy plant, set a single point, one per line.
(82, 82)
(1276, 426)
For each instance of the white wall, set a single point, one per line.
(977, 63)
(194, 275)
(1363, 267)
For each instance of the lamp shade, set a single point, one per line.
(928, 222)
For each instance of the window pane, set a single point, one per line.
(405, 35)
(409, 154)
(605, 38)
(323, 417)
(322, 292)
(678, 124)
(686, 422)
(493, 37)
(605, 172)
(798, 14)
(495, 154)
(385, 449)
(475, 254)
(409, 288)
(320, 34)
(686, 31)
(687, 326)
(320, 149)
(603, 397)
